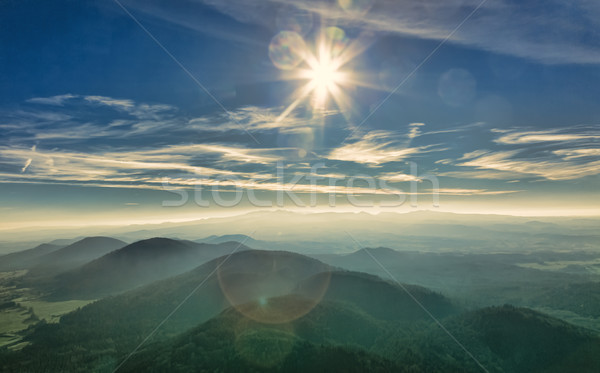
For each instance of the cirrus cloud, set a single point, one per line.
(555, 32)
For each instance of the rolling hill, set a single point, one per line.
(382, 299)
(248, 280)
(279, 311)
(73, 255)
(26, 258)
(501, 339)
(137, 264)
(483, 279)
(319, 341)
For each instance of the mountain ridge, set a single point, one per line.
(138, 264)
(26, 258)
(73, 255)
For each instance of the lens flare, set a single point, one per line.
(272, 289)
(357, 7)
(286, 50)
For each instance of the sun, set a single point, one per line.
(324, 77)
(323, 69)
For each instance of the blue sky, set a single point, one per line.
(95, 115)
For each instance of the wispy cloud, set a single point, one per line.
(27, 163)
(480, 174)
(415, 130)
(255, 119)
(73, 118)
(473, 192)
(504, 26)
(377, 147)
(69, 98)
(531, 137)
(192, 17)
(108, 101)
(53, 100)
(226, 153)
(123, 165)
(161, 169)
(558, 154)
(541, 166)
(79, 118)
(114, 160)
(142, 111)
(114, 157)
(569, 154)
(394, 177)
(372, 149)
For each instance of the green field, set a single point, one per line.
(13, 320)
(22, 309)
(592, 266)
(52, 311)
(573, 318)
(12, 274)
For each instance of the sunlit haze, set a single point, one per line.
(300, 186)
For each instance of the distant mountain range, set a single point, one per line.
(302, 247)
(247, 240)
(483, 279)
(325, 231)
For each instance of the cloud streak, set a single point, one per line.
(559, 154)
(374, 149)
(544, 167)
(123, 165)
(76, 118)
(54, 100)
(173, 167)
(557, 33)
(27, 164)
(473, 192)
(533, 137)
(570, 154)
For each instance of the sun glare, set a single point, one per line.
(324, 78)
(322, 70)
